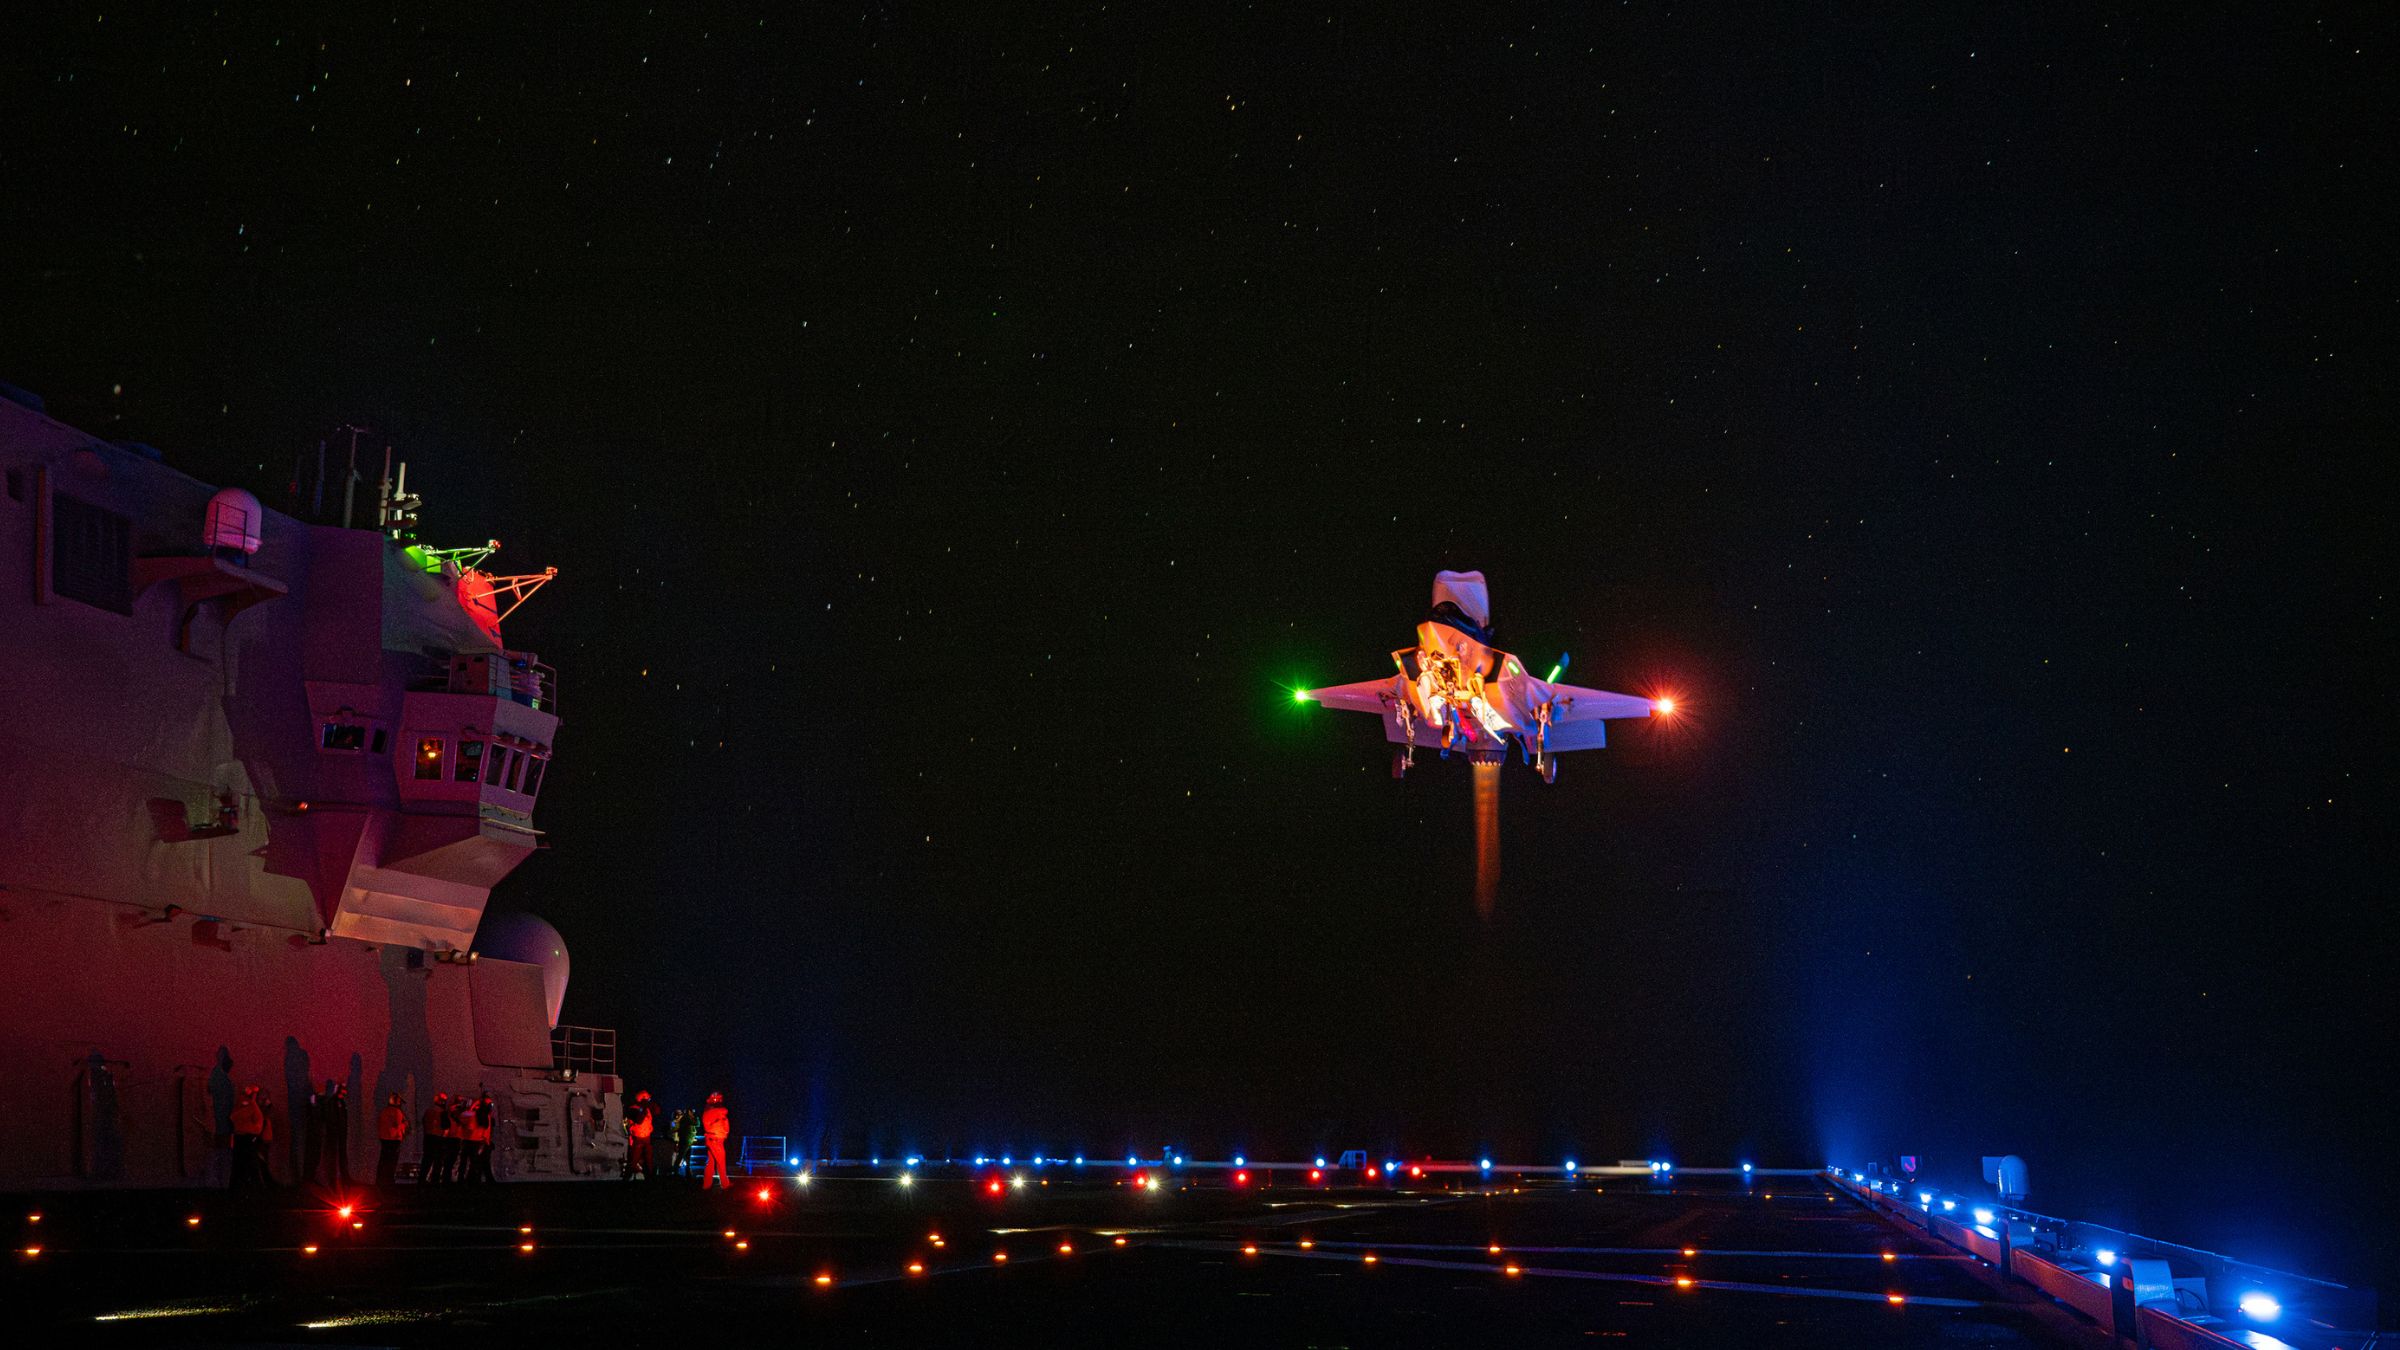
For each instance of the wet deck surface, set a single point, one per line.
(650, 1264)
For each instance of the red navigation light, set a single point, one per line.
(1894, 1299)
(1369, 1258)
(1249, 1250)
(764, 1195)
(1000, 1256)
(525, 1247)
(1066, 1249)
(192, 1221)
(1494, 1249)
(824, 1280)
(1241, 1178)
(344, 1211)
(1316, 1174)
(1416, 1171)
(1370, 1174)
(916, 1267)
(1891, 1256)
(1664, 706)
(1683, 1281)
(993, 1185)
(1513, 1269)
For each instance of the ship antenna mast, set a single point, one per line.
(350, 475)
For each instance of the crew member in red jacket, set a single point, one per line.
(714, 1126)
(252, 1128)
(391, 1126)
(436, 1165)
(640, 1123)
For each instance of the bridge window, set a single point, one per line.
(516, 769)
(533, 775)
(91, 554)
(470, 761)
(495, 765)
(429, 757)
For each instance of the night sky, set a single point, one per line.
(955, 434)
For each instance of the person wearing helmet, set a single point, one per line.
(476, 1122)
(437, 1141)
(250, 1136)
(715, 1125)
(640, 1123)
(391, 1126)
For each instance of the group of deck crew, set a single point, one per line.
(711, 1125)
(458, 1137)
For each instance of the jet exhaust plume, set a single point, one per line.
(1487, 837)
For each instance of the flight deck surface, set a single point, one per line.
(643, 1263)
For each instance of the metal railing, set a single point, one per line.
(584, 1049)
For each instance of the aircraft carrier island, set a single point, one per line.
(262, 776)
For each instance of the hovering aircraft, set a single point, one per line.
(1455, 691)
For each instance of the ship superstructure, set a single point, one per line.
(258, 778)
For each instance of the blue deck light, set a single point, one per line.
(1240, 1161)
(2105, 1257)
(1570, 1167)
(2260, 1306)
(1484, 1163)
(1745, 1169)
(1982, 1215)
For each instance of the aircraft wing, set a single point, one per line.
(1577, 704)
(1364, 696)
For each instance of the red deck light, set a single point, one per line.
(765, 1194)
(1241, 1178)
(824, 1280)
(993, 1185)
(1894, 1299)
(916, 1267)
